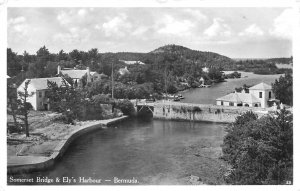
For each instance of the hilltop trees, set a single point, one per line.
(14, 64)
(260, 151)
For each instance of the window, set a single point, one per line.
(231, 103)
(221, 102)
(40, 94)
(270, 95)
(260, 94)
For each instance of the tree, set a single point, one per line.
(43, 54)
(13, 63)
(62, 56)
(260, 151)
(215, 74)
(75, 55)
(12, 101)
(283, 89)
(23, 106)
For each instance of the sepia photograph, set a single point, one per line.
(149, 96)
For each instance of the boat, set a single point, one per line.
(180, 96)
(204, 86)
(176, 99)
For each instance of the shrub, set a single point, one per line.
(196, 109)
(126, 107)
(260, 151)
(101, 99)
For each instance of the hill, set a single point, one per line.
(176, 54)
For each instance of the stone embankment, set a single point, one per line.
(20, 164)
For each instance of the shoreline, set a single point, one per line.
(21, 164)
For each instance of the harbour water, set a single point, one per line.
(150, 151)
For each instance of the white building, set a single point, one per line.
(123, 71)
(263, 92)
(205, 69)
(132, 62)
(258, 96)
(39, 87)
(77, 75)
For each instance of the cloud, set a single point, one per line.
(172, 26)
(218, 29)
(74, 35)
(197, 14)
(18, 28)
(140, 30)
(73, 16)
(17, 20)
(252, 30)
(64, 18)
(117, 26)
(283, 25)
(82, 12)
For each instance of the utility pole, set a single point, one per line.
(22, 71)
(165, 74)
(112, 80)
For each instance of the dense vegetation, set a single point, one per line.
(283, 89)
(78, 104)
(260, 151)
(281, 60)
(267, 66)
(167, 69)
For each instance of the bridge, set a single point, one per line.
(165, 103)
(193, 111)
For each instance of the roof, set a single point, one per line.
(261, 86)
(74, 73)
(41, 83)
(123, 71)
(240, 97)
(205, 69)
(132, 62)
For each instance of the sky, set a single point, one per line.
(233, 32)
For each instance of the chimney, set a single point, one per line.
(88, 79)
(58, 69)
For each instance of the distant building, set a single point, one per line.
(39, 87)
(258, 96)
(123, 71)
(77, 75)
(132, 62)
(202, 81)
(205, 69)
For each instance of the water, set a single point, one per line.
(151, 151)
(209, 95)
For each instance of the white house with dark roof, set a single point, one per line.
(258, 96)
(77, 75)
(39, 87)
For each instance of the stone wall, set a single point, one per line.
(200, 112)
